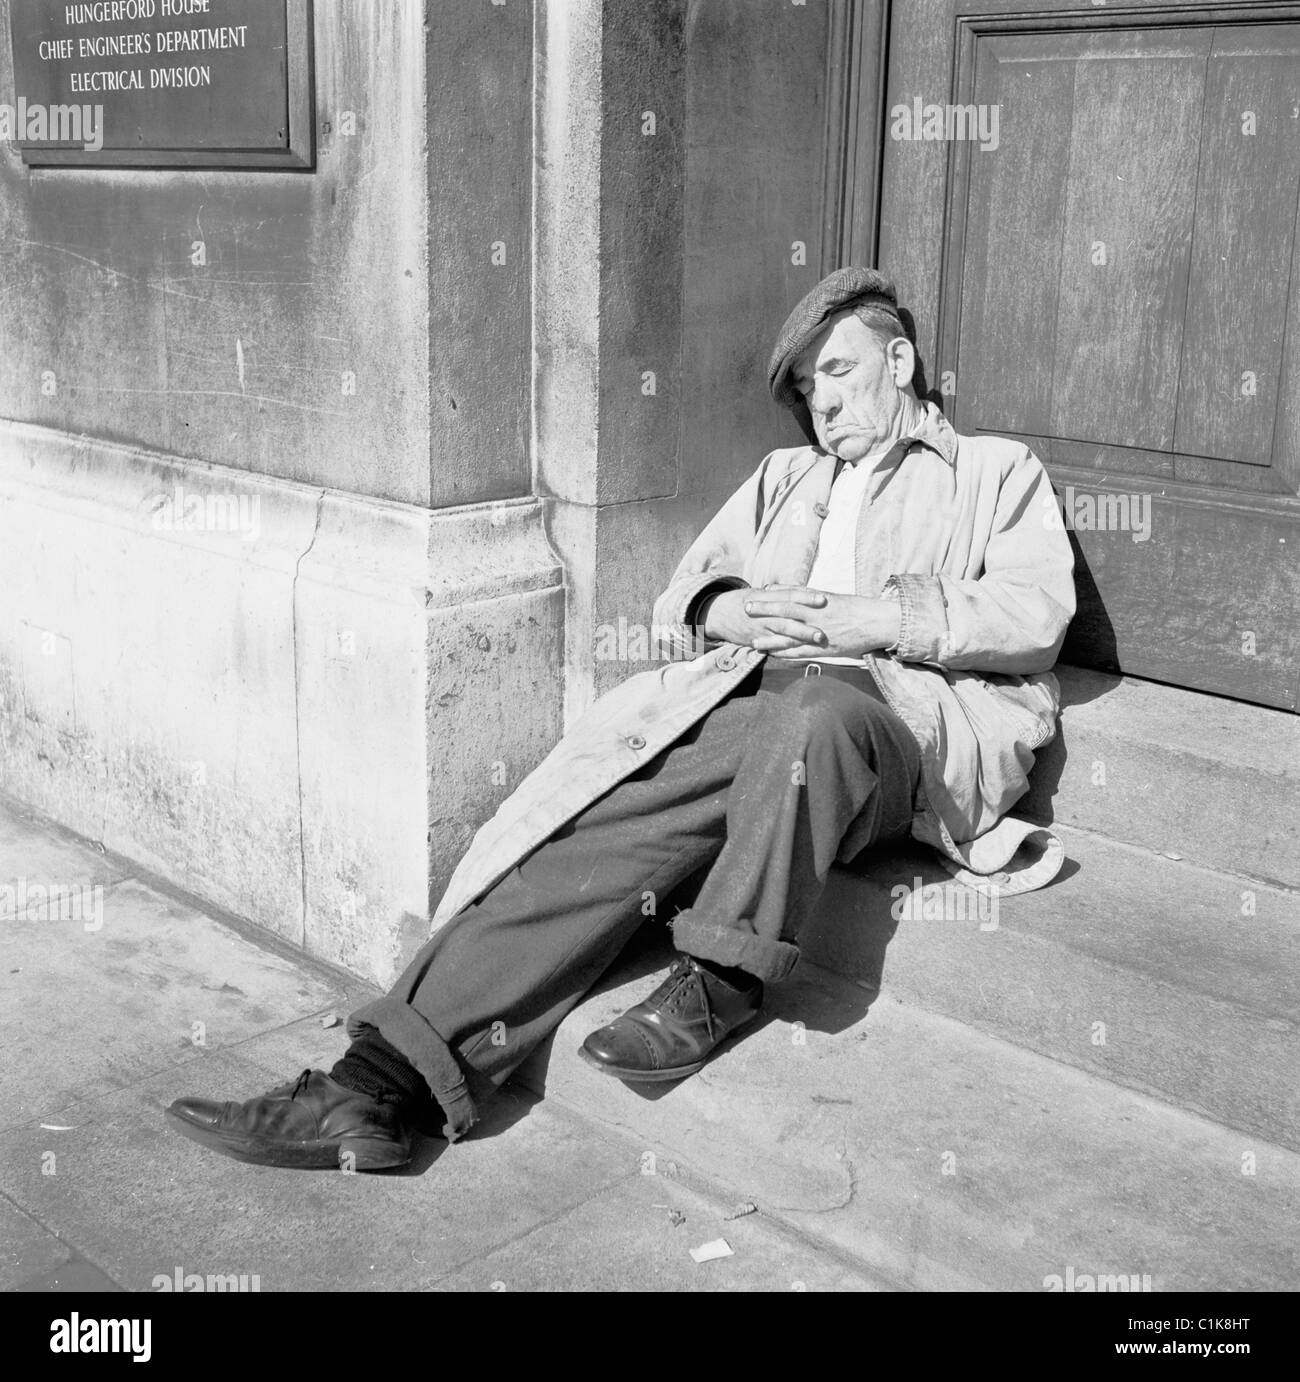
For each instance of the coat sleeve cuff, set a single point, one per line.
(677, 612)
(923, 620)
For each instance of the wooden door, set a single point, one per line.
(1109, 269)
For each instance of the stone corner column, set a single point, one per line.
(608, 271)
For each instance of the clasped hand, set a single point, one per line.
(799, 625)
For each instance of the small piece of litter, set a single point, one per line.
(1171, 854)
(749, 1207)
(706, 1252)
(56, 1127)
(330, 1020)
(676, 1218)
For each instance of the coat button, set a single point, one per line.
(726, 661)
(820, 510)
(636, 741)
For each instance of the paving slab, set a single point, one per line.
(27, 1251)
(152, 987)
(625, 1239)
(34, 848)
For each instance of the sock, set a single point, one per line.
(375, 1067)
(740, 979)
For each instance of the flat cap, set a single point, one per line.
(844, 288)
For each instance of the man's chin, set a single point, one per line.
(848, 446)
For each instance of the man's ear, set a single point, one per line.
(901, 355)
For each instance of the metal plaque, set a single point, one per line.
(161, 83)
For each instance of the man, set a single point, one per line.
(866, 628)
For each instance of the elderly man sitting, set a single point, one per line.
(866, 630)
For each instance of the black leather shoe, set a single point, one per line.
(311, 1123)
(674, 1031)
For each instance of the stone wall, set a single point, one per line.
(270, 557)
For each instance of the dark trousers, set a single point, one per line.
(760, 793)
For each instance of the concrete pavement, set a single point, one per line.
(961, 1128)
(103, 1027)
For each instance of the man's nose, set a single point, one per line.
(825, 400)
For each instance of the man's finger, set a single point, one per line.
(776, 609)
(800, 594)
(792, 636)
(794, 628)
(776, 643)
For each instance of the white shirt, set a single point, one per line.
(835, 565)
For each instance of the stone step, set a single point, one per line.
(945, 1158)
(1177, 771)
(1159, 975)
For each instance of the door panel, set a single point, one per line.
(1246, 218)
(1128, 201)
(1115, 284)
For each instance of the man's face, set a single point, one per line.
(848, 383)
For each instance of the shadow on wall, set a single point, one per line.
(1089, 642)
(1090, 639)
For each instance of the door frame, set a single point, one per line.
(857, 63)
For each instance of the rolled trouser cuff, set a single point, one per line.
(770, 961)
(401, 1026)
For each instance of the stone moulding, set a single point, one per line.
(297, 706)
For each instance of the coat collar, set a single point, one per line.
(936, 433)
